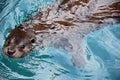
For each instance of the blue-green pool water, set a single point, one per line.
(102, 51)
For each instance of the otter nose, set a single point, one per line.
(11, 51)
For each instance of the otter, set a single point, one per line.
(62, 25)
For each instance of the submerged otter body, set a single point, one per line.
(62, 25)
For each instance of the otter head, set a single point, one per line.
(19, 43)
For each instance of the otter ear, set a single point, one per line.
(15, 26)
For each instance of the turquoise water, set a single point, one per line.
(102, 51)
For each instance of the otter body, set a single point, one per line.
(62, 25)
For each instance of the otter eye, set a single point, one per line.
(22, 46)
(33, 41)
(7, 42)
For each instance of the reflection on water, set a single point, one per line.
(64, 30)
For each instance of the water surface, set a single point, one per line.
(102, 47)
